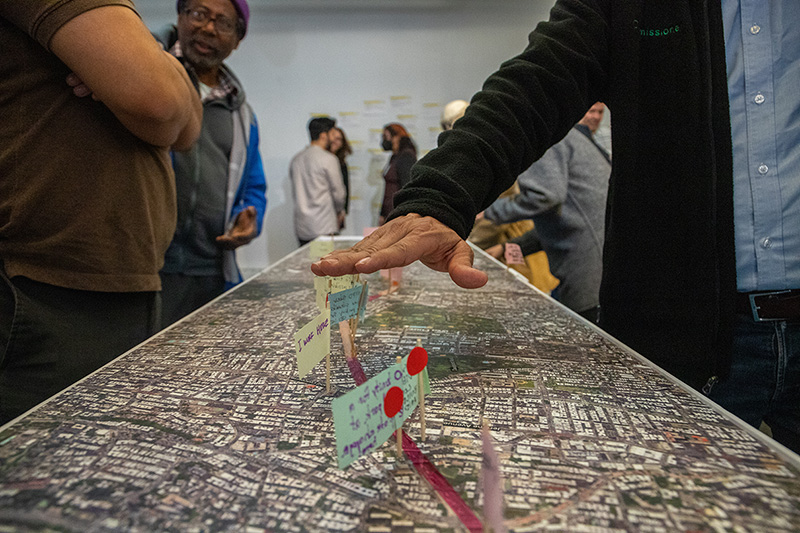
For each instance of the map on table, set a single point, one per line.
(207, 426)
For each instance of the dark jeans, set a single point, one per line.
(764, 384)
(182, 294)
(50, 337)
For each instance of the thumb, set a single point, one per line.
(461, 270)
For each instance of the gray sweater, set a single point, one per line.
(565, 193)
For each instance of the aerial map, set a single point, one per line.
(208, 426)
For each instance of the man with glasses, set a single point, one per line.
(220, 180)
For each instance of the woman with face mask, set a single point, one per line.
(398, 171)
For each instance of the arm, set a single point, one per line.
(542, 187)
(404, 163)
(113, 54)
(529, 242)
(523, 109)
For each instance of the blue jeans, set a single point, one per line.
(764, 383)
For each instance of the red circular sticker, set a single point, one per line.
(393, 401)
(417, 360)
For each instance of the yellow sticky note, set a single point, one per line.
(313, 342)
(342, 283)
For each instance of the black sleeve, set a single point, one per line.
(405, 160)
(529, 242)
(528, 105)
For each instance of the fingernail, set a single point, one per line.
(363, 261)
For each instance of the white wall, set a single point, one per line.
(298, 62)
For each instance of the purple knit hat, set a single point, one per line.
(241, 7)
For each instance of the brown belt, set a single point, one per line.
(772, 305)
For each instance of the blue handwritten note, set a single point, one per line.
(345, 304)
(359, 420)
(313, 342)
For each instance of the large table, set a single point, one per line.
(207, 427)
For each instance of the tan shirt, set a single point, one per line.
(318, 190)
(84, 204)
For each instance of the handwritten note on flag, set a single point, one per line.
(342, 283)
(345, 304)
(359, 419)
(313, 342)
(513, 254)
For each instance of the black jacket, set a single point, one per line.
(669, 269)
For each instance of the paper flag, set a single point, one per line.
(492, 483)
(342, 283)
(313, 342)
(359, 419)
(513, 254)
(344, 304)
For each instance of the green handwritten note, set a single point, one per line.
(358, 416)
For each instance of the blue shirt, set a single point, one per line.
(762, 43)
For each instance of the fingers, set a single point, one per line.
(227, 242)
(79, 89)
(402, 241)
(341, 262)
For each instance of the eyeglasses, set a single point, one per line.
(200, 17)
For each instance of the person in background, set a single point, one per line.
(87, 193)
(452, 111)
(564, 193)
(220, 181)
(486, 234)
(341, 149)
(700, 269)
(317, 186)
(398, 171)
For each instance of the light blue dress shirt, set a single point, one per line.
(762, 42)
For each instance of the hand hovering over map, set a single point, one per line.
(402, 241)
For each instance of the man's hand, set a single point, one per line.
(402, 241)
(340, 216)
(79, 88)
(243, 231)
(495, 251)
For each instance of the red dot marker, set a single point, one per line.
(393, 401)
(417, 361)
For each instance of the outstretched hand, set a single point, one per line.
(402, 241)
(243, 231)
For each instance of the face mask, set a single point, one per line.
(387, 145)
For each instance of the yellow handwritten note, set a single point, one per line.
(313, 342)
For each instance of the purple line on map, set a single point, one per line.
(428, 471)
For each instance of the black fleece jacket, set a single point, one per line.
(669, 270)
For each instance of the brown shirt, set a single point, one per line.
(84, 204)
